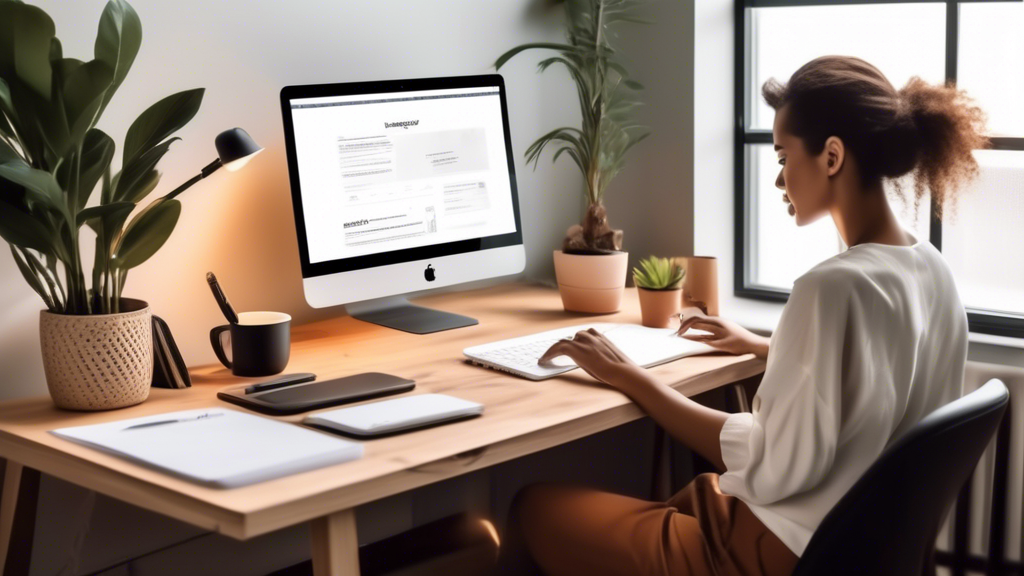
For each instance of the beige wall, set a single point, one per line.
(239, 225)
(652, 200)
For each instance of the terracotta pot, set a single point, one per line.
(591, 283)
(658, 307)
(98, 362)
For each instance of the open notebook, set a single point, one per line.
(216, 447)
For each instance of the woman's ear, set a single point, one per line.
(835, 154)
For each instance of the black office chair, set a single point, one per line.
(888, 522)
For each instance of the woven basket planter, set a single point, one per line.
(98, 362)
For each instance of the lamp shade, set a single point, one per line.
(235, 148)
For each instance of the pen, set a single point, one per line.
(160, 422)
(281, 382)
(222, 300)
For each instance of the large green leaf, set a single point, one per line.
(146, 233)
(160, 121)
(31, 277)
(106, 217)
(6, 108)
(97, 153)
(139, 174)
(24, 229)
(84, 90)
(143, 187)
(25, 46)
(117, 42)
(546, 45)
(40, 185)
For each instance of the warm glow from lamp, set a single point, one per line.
(236, 165)
(492, 531)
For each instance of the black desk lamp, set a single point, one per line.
(234, 149)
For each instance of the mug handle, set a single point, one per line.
(218, 348)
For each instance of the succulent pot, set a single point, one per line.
(591, 283)
(658, 307)
(98, 362)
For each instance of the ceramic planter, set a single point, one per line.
(98, 362)
(591, 283)
(658, 307)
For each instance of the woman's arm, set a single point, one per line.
(696, 426)
(688, 422)
(725, 335)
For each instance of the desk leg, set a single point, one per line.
(17, 517)
(335, 547)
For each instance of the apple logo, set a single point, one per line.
(429, 273)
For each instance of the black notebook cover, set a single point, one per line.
(169, 370)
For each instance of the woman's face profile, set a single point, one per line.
(803, 177)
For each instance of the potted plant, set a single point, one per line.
(659, 282)
(591, 266)
(96, 345)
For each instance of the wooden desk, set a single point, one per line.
(521, 417)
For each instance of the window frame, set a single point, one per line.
(985, 322)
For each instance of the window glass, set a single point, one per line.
(991, 66)
(983, 241)
(780, 251)
(902, 40)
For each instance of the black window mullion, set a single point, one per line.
(952, 58)
(1001, 143)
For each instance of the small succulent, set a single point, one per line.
(658, 274)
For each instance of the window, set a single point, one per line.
(975, 43)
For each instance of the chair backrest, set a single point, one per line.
(888, 522)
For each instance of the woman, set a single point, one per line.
(869, 342)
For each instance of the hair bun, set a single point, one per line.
(900, 143)
(925, 129)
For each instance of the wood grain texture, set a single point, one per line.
(335, 547)
(521, 417)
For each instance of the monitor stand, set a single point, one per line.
(396, 312)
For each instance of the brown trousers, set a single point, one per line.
(699, 531)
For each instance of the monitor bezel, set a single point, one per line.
(314, 269)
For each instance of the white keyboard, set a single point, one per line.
(645, 346)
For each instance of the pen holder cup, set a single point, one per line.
(700, 283)
(260, 343)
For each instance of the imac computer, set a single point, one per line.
(401, 186)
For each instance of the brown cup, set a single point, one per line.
(700, 284)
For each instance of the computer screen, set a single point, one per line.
(405, 172)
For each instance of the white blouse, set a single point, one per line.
(870, 342)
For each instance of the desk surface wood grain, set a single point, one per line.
(521, 416)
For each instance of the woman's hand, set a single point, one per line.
(726, 335)
(596, 355)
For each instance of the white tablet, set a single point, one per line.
(396, 415)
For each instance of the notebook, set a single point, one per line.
(216, 447)
(169, 370)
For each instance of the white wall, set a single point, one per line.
(239, 225)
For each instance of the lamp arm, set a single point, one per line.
(207, 170)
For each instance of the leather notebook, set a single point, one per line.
(318, 394)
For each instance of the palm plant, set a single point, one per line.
(53, 158)
(607, 100)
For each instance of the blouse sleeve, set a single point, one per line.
(788, 443)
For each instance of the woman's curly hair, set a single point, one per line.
(924, 129)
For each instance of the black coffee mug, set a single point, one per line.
(260, 343)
